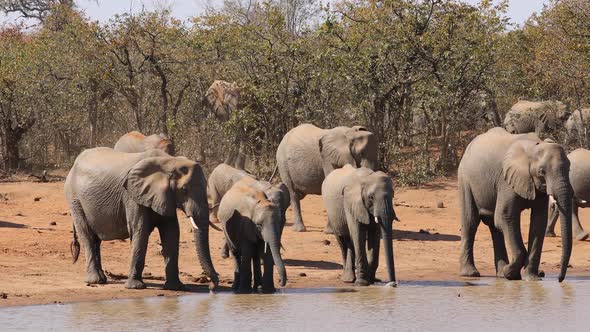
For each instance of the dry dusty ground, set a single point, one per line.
(36, 267)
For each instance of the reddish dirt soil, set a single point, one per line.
(36, 266)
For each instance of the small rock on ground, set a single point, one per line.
(440, 205)
(302, 274)
(52, 223)
(36, 199)
(326, 242)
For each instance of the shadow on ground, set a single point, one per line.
(417, 236)
(9, 224)
(321, 265)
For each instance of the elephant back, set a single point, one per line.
(580, 173)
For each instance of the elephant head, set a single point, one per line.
(165, 183)
(533, 167)
(369, 198)
(342, 145)
(223, 98)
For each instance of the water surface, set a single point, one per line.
(481, 305)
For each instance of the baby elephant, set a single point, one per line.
(359, 203)
(251, 223)
(580, 181)
(221, 179)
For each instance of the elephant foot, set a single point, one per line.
(269, 290)
(511, 273)
(328, 230)
(243, 291)
(500, 269)
(96, 278)
(361, 282)
(348, 277)
(550, 233)
(469, 271)
(531, 276)
(392, 284)
(134, 284)
(541, 274)
(174, 285)
(581, 236)
(298, 227)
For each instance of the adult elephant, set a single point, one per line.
(137, 142)
(580, 180)
(577, 127)
(116, 195)
(535, 116)
(500, 175)
(307, 154)
(251, 223)
(359, 204)
(223, 98)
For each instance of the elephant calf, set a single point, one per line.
(117, 195)
(251, 223)
(359, 203)
(137, 142)
(579, 176)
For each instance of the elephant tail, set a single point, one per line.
(75, 246)
(274, 172)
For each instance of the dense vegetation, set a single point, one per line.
(424, 75)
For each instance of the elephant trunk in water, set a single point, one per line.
(563, 195)
(386, 219)
(201, 237)
(271, 237)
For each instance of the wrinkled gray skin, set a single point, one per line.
(117, 195)
(251, 223)
(536, 116)
(137, 142)
(500, 175)
(221, 179)
(359, 204)
(307, 154)
(577, 127)
(580, 180)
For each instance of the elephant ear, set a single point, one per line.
(516, 171)
(353, 203)
(335, 151)
(363, 144)
(148, 183)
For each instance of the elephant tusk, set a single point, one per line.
(552, 200)
(193, 222)
(376, 220)
(215, 227)
(583, 201)
(265, 246)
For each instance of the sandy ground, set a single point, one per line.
(36, 266)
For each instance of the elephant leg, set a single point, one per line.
(91, 244)
(268, 279)
(246, 267)
(359, 243)
(215, 199)
(237, 262)
(537, 229)
(347, 259)
(139, 243)
(298, 225)
(579, 232)
(256, 270)
(470, 220)
(224, 249)
(508, 220)
(373, 244)
(500, 254)
(553, 216)
(169, 237)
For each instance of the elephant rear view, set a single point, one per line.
(577, 127)
(500, 175)
(117, 195)
(137, 142)
(307, 154)
(535, 116)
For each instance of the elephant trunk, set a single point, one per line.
(386, 230)
(271, 237)
(201, 237)
(564, 197)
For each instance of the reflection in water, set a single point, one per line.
(494, 304)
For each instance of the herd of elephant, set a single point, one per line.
(128, 191)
